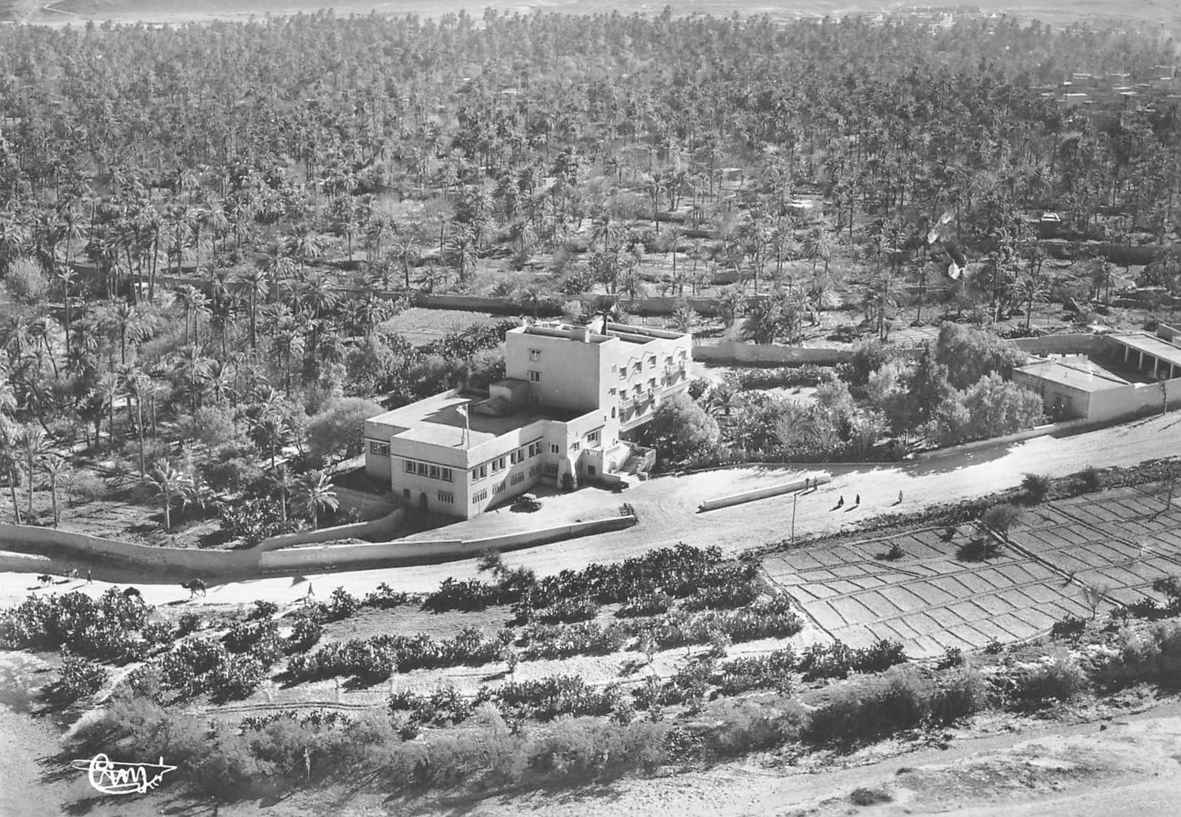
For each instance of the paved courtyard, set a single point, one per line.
(942, 591)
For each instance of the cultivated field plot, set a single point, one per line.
(1119, 543)
(942, 591)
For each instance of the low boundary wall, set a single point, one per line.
(384, 527)
(736, 353)
(1064, 344)
(763, 493)
(422, 552)
(166, 561)
(182, 563)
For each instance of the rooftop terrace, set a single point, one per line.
(437, 420)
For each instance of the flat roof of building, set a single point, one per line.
(1074, 371)
(437, 420)
(1159, 348)
(592, 332)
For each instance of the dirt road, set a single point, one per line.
(667, 510)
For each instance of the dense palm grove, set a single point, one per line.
(203, 228)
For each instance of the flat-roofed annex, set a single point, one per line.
(437, 420)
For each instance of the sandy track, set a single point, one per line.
(667, 506)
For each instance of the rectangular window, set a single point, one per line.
(535, 354)
(433, 472)
(379, 449)
(534, 376)
(479, 496)
(446, 497)
(623, 373)
(638, 367)
(498, 464)
(651, 361)
(555, 448)
(483, 471)
(517, 479)
(500, 486)
(574, 446)
(593, 437)
(410, 467)
(652, 384)
(668, 361)
(445, 475)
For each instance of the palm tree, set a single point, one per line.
(54, 466)
(9, 458)
(167, 482)
(34, 447)
(315, 493)
(281, 479)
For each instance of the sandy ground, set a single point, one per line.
(1116, 766)
(667, 510)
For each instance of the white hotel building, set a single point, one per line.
(568, 396)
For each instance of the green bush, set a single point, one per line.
(872, 706)
(1060, 678)
(76, 678)
(1035, 487)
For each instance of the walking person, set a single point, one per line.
(841, 501)
(857, 501)
(899, 498)
(89, 578)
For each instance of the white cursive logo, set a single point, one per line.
(110, 777)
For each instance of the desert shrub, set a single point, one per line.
(545, 699)
(771, 671)
(587, 749)
(954, 657)
(305, 633)
(767, 618)
(650, 604)
(385, 598)
(741, 727)
(341, 605)
(258, 638)
(837, 660)
(567, 610)
(103, 628)
(443, 707)
(863, 796)
(878, 656)
(1035, 488)
(237, 677)
(1068, 627)
(1170, 588)
(1090, 479)
(469, 596)
(872, 706)
(188, 623)
(189, 666)
(76, 678)
(738, 594)
(689, 684)
(564, 640)
(1058, 678)
(960, 694)
(263, 609)
(1001, 518)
